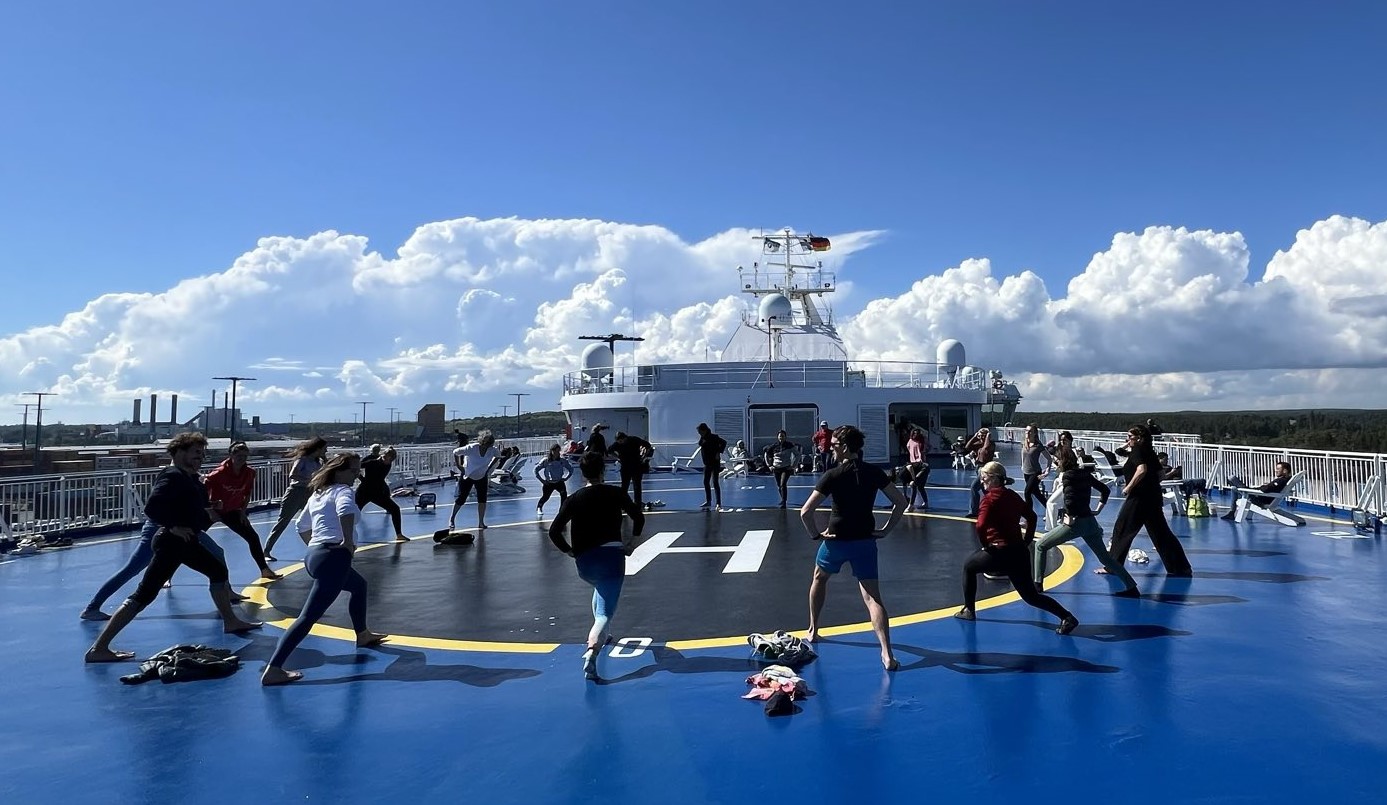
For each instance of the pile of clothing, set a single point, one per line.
(778, 687)
(185, 663)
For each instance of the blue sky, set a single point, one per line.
(145, 145)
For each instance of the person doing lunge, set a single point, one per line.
(1003, 548)
(851, 534)
(1077, 485)
(1144, 506)
(375, 489)
(178, 502)
(553, 473)
(592, 516)
(230, 487)
(308, 457)
(631, 453)
(328, 525)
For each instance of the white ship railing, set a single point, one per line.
(773, 374)
(41, 504)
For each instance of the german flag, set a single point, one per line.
(819, 244)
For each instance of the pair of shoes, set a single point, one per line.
(1067, 625)
(706, 505)
(539, 512)
(94, 615)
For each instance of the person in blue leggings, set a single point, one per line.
(595, 544)
(327, 523)
(136, 564)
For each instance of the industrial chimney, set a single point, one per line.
(173, 414)
(136, 419)
(153, 409)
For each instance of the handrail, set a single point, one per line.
(75, 502)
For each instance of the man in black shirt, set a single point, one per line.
(851, 534)
(178, 502)
(710, 447)
(631, 453)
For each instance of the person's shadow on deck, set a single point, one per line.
(409, 666)
(987, 662)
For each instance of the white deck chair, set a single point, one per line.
(1271, 509)
(687, 465)
(1174, 493)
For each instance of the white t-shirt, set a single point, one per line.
(322, 513)
(474, 461)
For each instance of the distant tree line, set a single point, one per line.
(1355, 431)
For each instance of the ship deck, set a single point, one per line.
(1259, 680)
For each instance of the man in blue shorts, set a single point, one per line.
(851, 534)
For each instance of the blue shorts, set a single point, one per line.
(860, 553)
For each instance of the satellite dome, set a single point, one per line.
(951, 354)
(597, 361)
(778, 306)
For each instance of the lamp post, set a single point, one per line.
(291, 426)
(38, 421)
(390, 425)
(24, 429)
(235, 414)
(363, 404)
(517, 396)
(770, 351)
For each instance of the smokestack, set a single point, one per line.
(153, 409)
(173, 414)
(136, 419)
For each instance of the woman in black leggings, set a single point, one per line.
(710, 447)
(374, 488)
(1004, 549)
(327, 523)
(179, 502)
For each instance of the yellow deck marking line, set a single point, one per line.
(257, 594)
(1073, 562)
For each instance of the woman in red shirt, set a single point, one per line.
(230, 487)
(1004, 549)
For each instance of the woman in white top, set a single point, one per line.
(327, 524)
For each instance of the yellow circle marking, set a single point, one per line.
(257, 594)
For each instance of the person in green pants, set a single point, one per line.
(1080, 522)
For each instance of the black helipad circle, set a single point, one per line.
(513, 585)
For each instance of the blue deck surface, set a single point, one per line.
(1259, 680)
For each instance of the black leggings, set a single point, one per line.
(631, 476)
(1033, 490)
(916, 476)
(712, 483)
(381, 497)
(170, 552)
(782, 481)
(550, 487)
(1138, 511)
(240, 526)
(332, 572)
(1013, 561)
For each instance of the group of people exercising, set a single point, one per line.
(325, 508)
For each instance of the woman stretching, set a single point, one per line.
(595, 511)
(1078, 485)
(553, 472)
(230, 487)
(374, 488)
(327, 525)
(1032, 453)
(1003, 549)
(308, 457)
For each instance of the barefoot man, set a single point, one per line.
(851, 534)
